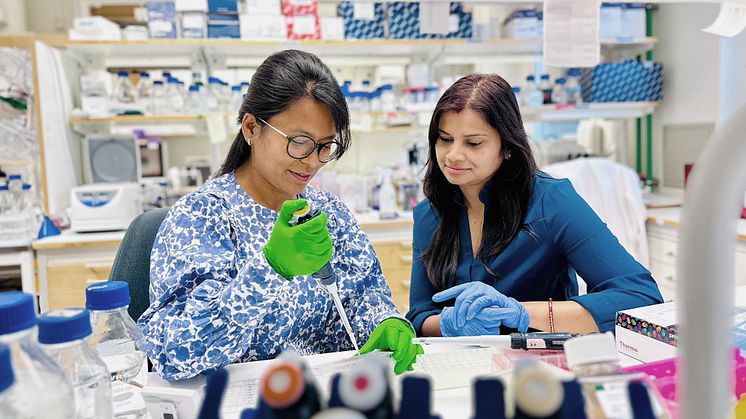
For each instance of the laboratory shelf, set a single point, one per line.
(233, 53)
(544, 113)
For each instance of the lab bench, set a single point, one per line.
(69, 262)
(663, 240)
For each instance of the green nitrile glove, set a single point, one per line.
(395, 335)
(298, 250)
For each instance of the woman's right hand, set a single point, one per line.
(298, 250)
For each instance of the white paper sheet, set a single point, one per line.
(434, 17)
(731, 20)
(363, 10)
(571, 33)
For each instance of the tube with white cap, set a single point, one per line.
(325, 276)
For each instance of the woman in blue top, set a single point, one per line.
(497, 241)
(230, 279)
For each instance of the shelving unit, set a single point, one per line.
(228, 53)
(626, 110)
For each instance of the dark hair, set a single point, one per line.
(282, 79)
(508, 189)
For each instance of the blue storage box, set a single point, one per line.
(626, 81)
(223, 26)
(161, 19)
(359, 28)
(222, 6)
(404, 22)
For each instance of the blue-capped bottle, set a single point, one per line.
(116, 339)
(40, 388)
(7, 380)
(63, 335)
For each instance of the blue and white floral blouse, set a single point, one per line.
(215, 300)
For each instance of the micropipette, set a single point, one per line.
(526, 341)
(325, 276)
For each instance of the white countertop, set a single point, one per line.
(672, 217)
(399, 228)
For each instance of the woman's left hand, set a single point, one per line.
(395, 335)
(472, 297)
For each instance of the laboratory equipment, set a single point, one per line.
(364, 388)
(104, 206)
(116, 338)
(40, 388)
(326, 277)
(63, 335)
(111, 158)
(595, 361)
(525, 341)
(287, 390)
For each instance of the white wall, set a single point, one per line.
(691, 64)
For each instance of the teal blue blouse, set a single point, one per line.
(561, 235)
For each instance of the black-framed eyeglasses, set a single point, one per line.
(301, 146)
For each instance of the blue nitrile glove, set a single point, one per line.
(478, 326)
(472, 297)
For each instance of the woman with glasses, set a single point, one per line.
(497, 244)
(231, 278)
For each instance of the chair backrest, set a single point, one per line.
(132, 263)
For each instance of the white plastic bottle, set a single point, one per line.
(195, 102)
(116, 338)
(7, 380)
(236, 100)
(559, 95)
(144, 86)
(15, 192)
(41, 389)
(174, 98)
(213, 94)
(388, 98)
(63, 334)
(4, 199)
(387, 196)
(124, 91)
(533, 96)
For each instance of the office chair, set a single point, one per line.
(132, 263)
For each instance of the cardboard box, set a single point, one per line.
(193, 25)
(648, 333)
(300, 7)
(303, 26)
(651, 333)
(260, 28)
(362, 20)
(223, 26)
(404, 22)
(222, 6)
(610, 24)
(161, 19)
(191, 5)
(523, 24)
(633, 21)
